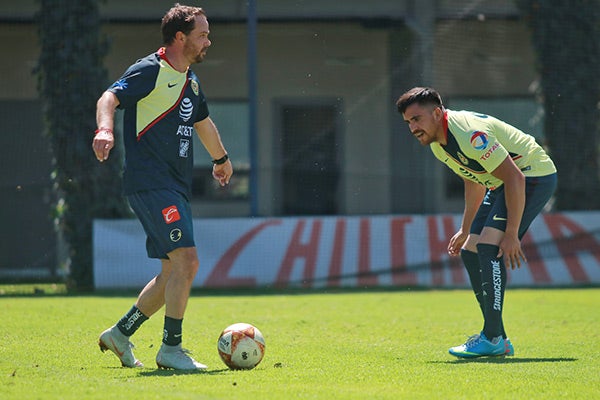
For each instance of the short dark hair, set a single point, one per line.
(179, 18)
(420, 95)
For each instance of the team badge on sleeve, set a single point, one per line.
(119, 85)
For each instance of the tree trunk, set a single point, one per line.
(71, 78)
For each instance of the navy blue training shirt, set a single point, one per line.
(161, 107)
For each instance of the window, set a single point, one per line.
(231, 118)
(310, 147)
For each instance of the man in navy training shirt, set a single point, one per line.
(164, 106)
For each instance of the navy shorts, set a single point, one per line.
(492, 212)
(166, 216)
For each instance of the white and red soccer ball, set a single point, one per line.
(241, 346)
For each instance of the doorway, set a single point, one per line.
(310, 156)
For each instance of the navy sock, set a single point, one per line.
(172, 331)
(471, 261)
(131, 321)
(493, 282)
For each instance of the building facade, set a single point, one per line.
(329, 139)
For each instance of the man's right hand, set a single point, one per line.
(103, 142)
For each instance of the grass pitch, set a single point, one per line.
(345, 345)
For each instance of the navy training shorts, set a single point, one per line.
(166, 216)
(492, 211)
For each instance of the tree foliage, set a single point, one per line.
(71, 77)
(566, 39)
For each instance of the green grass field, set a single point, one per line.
(346, 345)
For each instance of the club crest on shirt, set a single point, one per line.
(195, 87)
(462, 158)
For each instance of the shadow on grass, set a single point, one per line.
(172, 372)
(506, 360)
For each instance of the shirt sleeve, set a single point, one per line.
(136, 83)
(202, 113)
(486, 150)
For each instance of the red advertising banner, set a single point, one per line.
(563, 249)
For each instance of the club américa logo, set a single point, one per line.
(171, 214)
(195, 87)
(479, 140)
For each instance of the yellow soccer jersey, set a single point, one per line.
(478, 143)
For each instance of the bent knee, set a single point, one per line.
(471, 243)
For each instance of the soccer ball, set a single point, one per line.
(241, 346)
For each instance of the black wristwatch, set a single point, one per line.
(221, 160)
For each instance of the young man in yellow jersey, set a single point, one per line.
(508, 178)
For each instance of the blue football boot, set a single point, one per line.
(480, 346)
(509, 350)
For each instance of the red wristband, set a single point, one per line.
(102, 130)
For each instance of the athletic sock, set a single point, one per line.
(131, 321)
(172, 331)
(493, 282)
(471, 261)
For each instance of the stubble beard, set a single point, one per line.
(200, 56)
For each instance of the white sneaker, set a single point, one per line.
(112, 339)
(177, 358)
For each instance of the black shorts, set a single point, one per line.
(492, 211)
(166, 216)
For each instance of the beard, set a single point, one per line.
(199, 57)
(192, 54)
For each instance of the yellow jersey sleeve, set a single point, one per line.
(478, 143)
